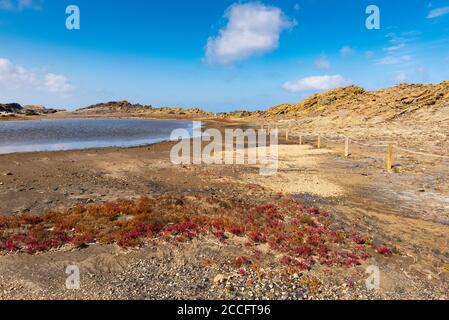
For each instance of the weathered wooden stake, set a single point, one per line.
(318, 142)
(347, 147)
(390, 157)
(300, 140)
(286, 135)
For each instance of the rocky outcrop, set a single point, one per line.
(37, 109)
(127, 108)
(338, 96)
(29, 110)
(241, 114)
(115, 107)
(354, 105)
(11, 108)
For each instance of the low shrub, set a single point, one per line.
(301, 234)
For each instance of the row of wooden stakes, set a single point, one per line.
(346, 154)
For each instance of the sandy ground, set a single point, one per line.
(407, 209)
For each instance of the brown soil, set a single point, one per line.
(406, 210)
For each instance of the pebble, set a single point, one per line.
(219, 278)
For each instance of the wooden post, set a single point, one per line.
(390, 157)
(286, 135)
(300, 140)
(347, 147)
(318, 142)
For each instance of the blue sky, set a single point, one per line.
(218, 55)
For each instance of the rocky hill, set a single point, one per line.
(11, 108)
(115, 107)
(417, 103)
(127, 108)
(241, 114)
(17, 109)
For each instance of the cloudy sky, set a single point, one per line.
(218, 55)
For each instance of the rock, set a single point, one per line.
(29, 110)
(442, 221)
(125, 107)
(31, 113)
(11, 108)
(436, 251)
(24, 210)
(219, 278)
(362, 106)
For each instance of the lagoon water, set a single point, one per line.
(74, 134)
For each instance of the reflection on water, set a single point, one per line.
(73, 134)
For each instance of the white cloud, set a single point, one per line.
(15, 74)
(20, 5)
(401, 77)
(322, 63)
(390, 60)
(320, 83)
(18, 78)
(346, 51)
(438, 12)
(56, 83)
(405, 37)
(252, 28)
(395, 48)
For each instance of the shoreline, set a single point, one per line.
(93, 149)
(112, 116)
(207, 123)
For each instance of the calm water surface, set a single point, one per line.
(74, 134)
